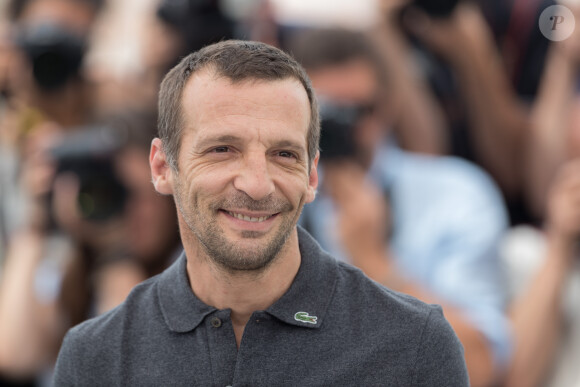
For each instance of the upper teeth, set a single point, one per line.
(248, 218)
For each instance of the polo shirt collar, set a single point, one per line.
(304, 304)
(312, 289)
(181, 309)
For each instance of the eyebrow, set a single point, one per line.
(227, 138)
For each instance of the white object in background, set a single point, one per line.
(356, 14)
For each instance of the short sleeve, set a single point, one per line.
(440, 358)
(64, 374)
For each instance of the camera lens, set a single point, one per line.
(55, 54)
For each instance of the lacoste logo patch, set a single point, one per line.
(305, 317)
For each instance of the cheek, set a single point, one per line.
(294, 188)
(198, 189)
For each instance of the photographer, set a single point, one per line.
(45, 82)
(101, 229)
(44, 89)
(485, 60)
(427, 226)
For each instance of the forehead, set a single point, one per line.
(355, 80)
(211, 101)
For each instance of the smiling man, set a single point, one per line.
(253, 300)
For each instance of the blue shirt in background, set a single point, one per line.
(448, 219)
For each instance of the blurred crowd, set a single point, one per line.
(450, 166)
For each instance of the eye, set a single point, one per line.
(286, 154)
(221, 149)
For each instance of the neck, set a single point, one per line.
(242, 292)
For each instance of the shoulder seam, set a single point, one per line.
(420, 345)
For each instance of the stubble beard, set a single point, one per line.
(225, 253)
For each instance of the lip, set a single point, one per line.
(249, 221)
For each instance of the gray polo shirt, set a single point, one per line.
(333, 327)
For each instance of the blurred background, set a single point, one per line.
(450, 162)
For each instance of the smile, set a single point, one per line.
(248, 218)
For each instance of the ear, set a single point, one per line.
(161, 171)
(313, 179)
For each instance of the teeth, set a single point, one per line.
(249, 219)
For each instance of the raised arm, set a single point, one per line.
(536, 315)
(552, 120)
(496, 118)
(418, 121)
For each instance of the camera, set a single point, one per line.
(55, 53)
(89, 154)
(338, 123)
(437, 8)
(198, 22)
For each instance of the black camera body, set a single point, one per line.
(55, 53)
(89, 154)
(437, 8)
(338, 123)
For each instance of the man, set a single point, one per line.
(253, 300)
(426, 226)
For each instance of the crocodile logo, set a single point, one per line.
(305, 317)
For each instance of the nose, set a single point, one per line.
(253, 177)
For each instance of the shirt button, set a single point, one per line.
(215, 322)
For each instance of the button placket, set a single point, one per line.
(222, 347)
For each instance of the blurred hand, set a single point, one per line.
(450, 36)
(570, 47)
(37, 173)
(363, 213)
(563, 205)
(39, 180)
(388, 8)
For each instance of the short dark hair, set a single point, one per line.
(238, 61)
(327, 47)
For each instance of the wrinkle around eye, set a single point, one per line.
(217, 151)
(286, 156)
(293, 162)
(211, 155)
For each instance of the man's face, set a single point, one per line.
(243, 168)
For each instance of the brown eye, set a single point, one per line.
(286, 154)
